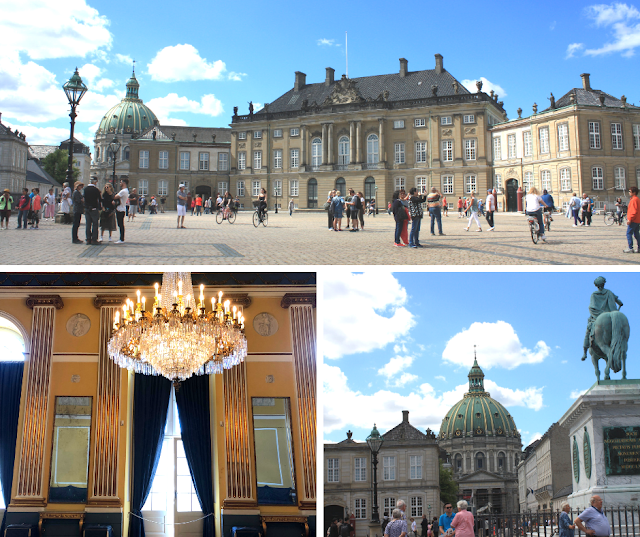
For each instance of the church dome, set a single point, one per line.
(477, 414)
(130, 116)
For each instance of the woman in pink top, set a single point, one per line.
(462, 523)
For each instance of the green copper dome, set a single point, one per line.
(477, 414)
(130, 116)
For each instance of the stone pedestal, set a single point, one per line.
(604, 441)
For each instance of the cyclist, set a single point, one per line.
(548, 199)
(533, 204)
(262, 205)
(226, 203)
(620, 210)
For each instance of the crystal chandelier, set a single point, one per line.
(176, 339)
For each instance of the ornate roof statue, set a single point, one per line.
(344, 92)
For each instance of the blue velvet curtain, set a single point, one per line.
(10, 391)
(193, 409)
(150, 404)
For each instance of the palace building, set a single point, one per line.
(375, 134)
(88, 444)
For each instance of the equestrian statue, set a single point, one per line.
(607, 334)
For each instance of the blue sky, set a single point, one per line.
(404, 341)
(197, 60)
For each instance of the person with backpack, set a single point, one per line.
(338, 206)
(355, 205)
(345, 528)
(415, 210)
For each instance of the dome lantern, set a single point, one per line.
(132, 87)
(476, 376)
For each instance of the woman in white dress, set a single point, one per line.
(50, 202)
(65, 204)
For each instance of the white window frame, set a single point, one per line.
(333, 470)
(389, 468)
(594, 135)
(203, 161)
(422, 183)
(294, 158)
(528, 147)
(294, 187)
(545, 180)
(543, 134)
(470, 149)
(257, 135)
(143, 187)
(421, 152)
(360, 469)
(565, 179)
(163, 160)
(597, 178)
(344, 148)
(616, 136)
(415, 467)
(240, 190)
(416, 504)
(527, 181)
(242, 160)
(242, 136)
(373, 149)
(277, 188)
(163, 188)
(223, 162)
(511, 146)
(447, 150)
(497, 148)
(399, 154)
(277, 133)
(257, 159)
(497, 183)
(398, 124)
(619, 178)
(468, 118)
(185, 160)
(360, 508)
(294, 131)
(419, 122)
(400, 183)
(470, 183)
(447, 184)
(636, 137)
(316, 152)
(446, 120)
(563, 137)
(223, 187)
(277, 158)
(256, 186)
(143, 159)
(388, 505)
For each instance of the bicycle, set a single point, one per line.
(220, 216)
(534, 228)
(611, 217)
(259, 218)
(546, 220)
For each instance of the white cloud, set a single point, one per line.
(326, 42)
(236, 77)
(90, 74)
(395, 366)
(532, 437)
(498, 346)
(402, 380)
(44, 135)
(625, 31)
(530, 398)
(183, 62)
(163, 106)
(577, 393)
(572, 49)
(440, 377)
(552, 26)
(124, 58)
(487, 86)
(384, 407)
(381, 317)
(44, 29)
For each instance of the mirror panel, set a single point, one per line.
(274, 451)
(70, 453)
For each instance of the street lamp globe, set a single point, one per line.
(375, 440)
(74, 88)
(114, 147)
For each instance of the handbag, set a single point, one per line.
(327, 205)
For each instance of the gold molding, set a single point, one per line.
(296, 299)
(264, 519)
(45, 300)
(109, 300)
(61, 516)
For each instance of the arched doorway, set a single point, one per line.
(205, 191)
(312, 194)
(369, 189)
(512, 195)
(331, 512)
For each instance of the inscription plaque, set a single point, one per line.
(621, 450)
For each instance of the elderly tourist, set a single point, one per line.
(397, 527)
(463, 524)
(566, 528)
(592, 520)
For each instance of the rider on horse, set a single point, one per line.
(601, 301)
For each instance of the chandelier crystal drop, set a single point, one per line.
(177, 339)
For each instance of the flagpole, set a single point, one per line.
(346, 49)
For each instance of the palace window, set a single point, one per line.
(616, 135)
(125, 153)
(360, 508)
(294, 188)
(420, 122)
(256, 186)
(240, 189)
(399, 153)
(242, 160)
(597, 176)
(389, 468)
(257, 160)
(479, 461)
(497, 183)
(203, 159)
(143, 187)
(470, 184)
(619, 176)
(388, 505)
(544, 140)
(415, 466)
(636, 136)
(277, 188)
(546, 180)
(373, 156)
(257, 135)
(527, 182)
(421, 183)
(223, 162)
(295, 158)
(242, 136)
(421, 152)
(294, 131)
(594, 135)
(447, 184)
(563, 137)
(163, 160)
(469, 118)
(316, 152)
(447, 150)
(398, 124)
(163, 188)
(277, 133)
(565, 180)
(333, 470)
(277, 158)
(343, 151)
(511, 143)
(528, 148)
(223, 187)
(446, 120)
(399, 183)
(360, 468)
(416, 506)
(184, 160)
(143, 159)
(470, 150)
(497, 148)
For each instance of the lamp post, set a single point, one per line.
(374, 441)
(275, 193)
(114, 147)
(75, 90)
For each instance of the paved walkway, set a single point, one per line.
(305, 240)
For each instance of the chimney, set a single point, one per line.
(439, 67)
(301, 80)
(405, 416)
(585, 81)
(403, 67)
(329, 78)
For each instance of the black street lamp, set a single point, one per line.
(75, 90)
(374, 441)
(114, 147)
(275, 193)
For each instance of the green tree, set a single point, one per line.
(56, 164)
(448, 487)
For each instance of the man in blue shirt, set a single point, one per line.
(445, 519)
(594, 519)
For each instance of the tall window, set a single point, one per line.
(184, 160)
(389, 504)
(125, 153)
(294, 131)
(497, 183)
(470, 184)
(223, 162)
(312, 193)
(277, 187)
(242, 136)
(563, 137)
(565, 179)
(636, 136)
(240, 189)
(597, 175)
(497, 148)
(257, 135)
(399, 183)
(295, 158)
(203, 160)
(360, 508)
(257, 160)
(546, 180)
(316, 152)
(619, 177)
(333, 470)
(343, 151)
(143, 187)
(527, 182)
(447, 184)
(255, 188)
(528, 148)
(544, 140)
(616, 135)
(594, 135)
(399, 153)
(242, 160)
(501, 461)
(416, 506)
(294, 187)
(277, 133)
(277, 158)
(470, 150)
(163, 188)
(511, 142)
(373, 156)
(360, 468)
(163, 160)
(421, 152)
(223, 186)
(143, 159)
(369, 188)
(479, 461)
(421, 184)
(389, 468)
(447, 150)
(415, 467)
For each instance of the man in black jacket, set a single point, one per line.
(92, 204)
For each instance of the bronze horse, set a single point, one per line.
(609, 342)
